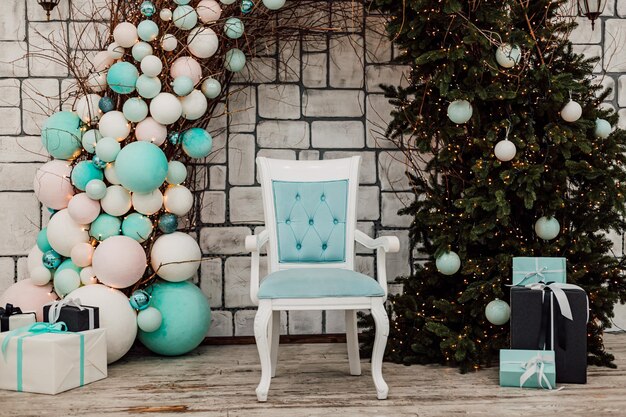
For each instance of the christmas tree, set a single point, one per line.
(501, 127)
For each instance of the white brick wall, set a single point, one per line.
(310, 99)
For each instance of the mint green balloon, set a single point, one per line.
(211, 88)
(83, 172)
(197, 142)
(141, 167)
(66, 281)
(96, 189)
(186, 317)
(122, 77)
(235, 60)
(105, 226)
(137, 226)
(233, 28)
(141, 50)
(89, 140)
(148, 87)
(107, 149)
(149, 320)
(61, 135)
(176, 173)
(135, 109)
(147, 30)
(68, 264)
(182, 85)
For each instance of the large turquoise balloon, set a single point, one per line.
(197, 142)
(84, 172)
(186, 318)
(105, 226)
(141, 167)
(61, 135)
(122, 77)
(137, 226)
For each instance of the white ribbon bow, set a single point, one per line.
(55, 308)
(561, 298)
(536, 365)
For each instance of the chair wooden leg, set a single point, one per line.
(352, 340)
(380, 341)
(261, 322)
(275, 326)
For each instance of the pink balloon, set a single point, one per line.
(52, 184)
(82, 209)
(187, 66)
(28, 296)
(119, 261)
(82, 254)
(150, 130)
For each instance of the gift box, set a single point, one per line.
(528, 270)
(44, 358)
(77, 317)
(553, 317)
(527, 368)
(11, 318)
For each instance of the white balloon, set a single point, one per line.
(169, 42)
(97, 82)
(178, 200)
(34, 258)
(125, 34)
(117, 201)
(89, 140)
(101, 61)
(175, 256)
(194, 105)
(87, 108)
(571, 111)
(151, 66)
(81, 254)
(147, 203)
(150, 130)
(116, 316)
(505, 150)
(114, 125)
(208, 11)
(87, 276)
(110, 174)
(64, 233)
(40, 275)
(165, 15)
(202, 42)
(141, 50)
(165, 108)
(115, 50)
(187, 66)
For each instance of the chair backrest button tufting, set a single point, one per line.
(335, 221)
(323, 197)
(324, 246)
(287, 221)
(311, 222)
(298, 246)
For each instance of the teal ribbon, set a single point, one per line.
(38, 329)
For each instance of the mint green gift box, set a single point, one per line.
(530, 270)
(527, 368)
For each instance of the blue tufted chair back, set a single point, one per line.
(310, 211)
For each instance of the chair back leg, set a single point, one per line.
(352, 340)
(380, 341)
(275, 337)
(261, 330)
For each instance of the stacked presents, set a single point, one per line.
(548, 327)
(65, 351)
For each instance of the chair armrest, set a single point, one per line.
(254, 243)
(387, 243)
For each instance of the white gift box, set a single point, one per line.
(16, 321)
(49, 363)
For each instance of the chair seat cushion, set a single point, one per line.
(317, 283)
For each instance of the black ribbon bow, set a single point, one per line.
(10, 310)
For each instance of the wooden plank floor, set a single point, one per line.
(313, 380)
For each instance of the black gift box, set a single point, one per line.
(537, 323)
(77, 319)
(12, 317)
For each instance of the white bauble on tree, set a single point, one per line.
(208, 11)
(165, 108)
(571, 111)
(194, 105)
(202, 42)
(460, 111)
(64, 233)
(169, 42)
(603, 129)
(448, 263)
(87, 108)
(498, 312)
(508, 55)
(505, 150)
(175, 257)
(547, 227)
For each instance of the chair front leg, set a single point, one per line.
(352, 340)
(380, 341)
(261, 322)
(275, 326)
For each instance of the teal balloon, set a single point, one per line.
(147, 30)
(168, 223)
(68, 264)
(96, 189)
(105, 226)
(460, 111)
(197, 142)
(448, 263)
(182, 85)
(176, 173)
(107, 149)
(139, 300)
(233, 28)
(122, 77)
(51, 259)
(148, 87)
(42, 240)
(186, 318)
(211, 88)
(61, 135)
(135, 109)
(602, 129)
(141, 50)
(235, 60)
(141, 167)
(83, 172)
(137, 226)
(498, 312)
(149, 320)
